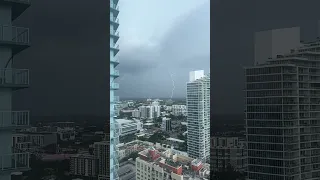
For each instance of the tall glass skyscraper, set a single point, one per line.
(114, 49)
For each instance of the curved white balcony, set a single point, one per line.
(14, 37)
(14, 162)
(14, 119)
(14, 78)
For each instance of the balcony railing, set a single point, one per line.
(114, 60)
(16, 161)
(15, 77)
(12, 34)
(114, 20)
(115, 99)
(115, 73)
(115, 33)
(114, 6)
(114, 86)
(14, 119)
(115, 46)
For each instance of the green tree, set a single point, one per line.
(229, 174)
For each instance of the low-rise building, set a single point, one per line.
(159, 164)
(127, 127)
(228, 151)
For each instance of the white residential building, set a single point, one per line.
(83, 165)
(179, 110)
(136, 113)
(149, 112)
(127, 127)
(155, 103)
(228, 151)
(13, 40)
(198, 108)
(157, 111)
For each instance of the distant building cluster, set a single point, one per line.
(147, 112)
(92, 166)
(179, 110)
(125, 149)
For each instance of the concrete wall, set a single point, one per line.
(269, 44)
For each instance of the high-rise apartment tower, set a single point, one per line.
(13, 40)
(114, 50)
(198, 112)
(282, 108)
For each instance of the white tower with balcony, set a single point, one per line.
(114, 50)
(13, 40)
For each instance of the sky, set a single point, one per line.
(68, 56)
(160, 42)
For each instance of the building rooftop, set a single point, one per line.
(178, 164)
(176, 140)
(124, 121)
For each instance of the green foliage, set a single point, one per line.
(229, 174)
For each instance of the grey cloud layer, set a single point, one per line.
(184, 48)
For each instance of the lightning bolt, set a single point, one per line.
(173, 87)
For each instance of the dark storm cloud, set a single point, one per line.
(68, 56)
(138, 61)
(185, 47)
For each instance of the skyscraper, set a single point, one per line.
(114, 49)
(101, 152)
(198, 107)
(13, 40)
(282, 108)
